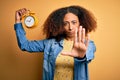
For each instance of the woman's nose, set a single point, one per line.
(70, 27)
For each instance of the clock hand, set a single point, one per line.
(29, 20)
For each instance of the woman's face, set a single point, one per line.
(71, 22)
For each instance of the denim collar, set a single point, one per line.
(60, 42)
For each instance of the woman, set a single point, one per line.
(67, 47)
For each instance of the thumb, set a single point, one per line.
(66, 53)
(17, 16)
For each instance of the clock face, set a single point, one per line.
(29, 21)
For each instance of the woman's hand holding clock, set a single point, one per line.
(30, 19)
(19, 13)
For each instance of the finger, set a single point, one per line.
(83, 35)
(17, 16)
(24, 10)
(76, 38)
(87, 40)
(79, 33)
(66, 53)
(19, 12)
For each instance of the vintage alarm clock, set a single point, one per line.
(30, 20)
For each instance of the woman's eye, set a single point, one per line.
(73, 22)
(64, 24)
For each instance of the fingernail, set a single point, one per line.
(80, 26)
(84, 29)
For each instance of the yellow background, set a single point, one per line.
(18, 65)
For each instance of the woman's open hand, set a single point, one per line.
(80, 44)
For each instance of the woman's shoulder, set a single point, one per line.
(92, 44)
(91, 41)
(47, 40)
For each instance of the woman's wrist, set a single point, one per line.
(17, 21)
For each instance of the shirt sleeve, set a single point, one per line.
(24, 44)
(89, 53)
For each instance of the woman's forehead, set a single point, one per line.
(70, 16)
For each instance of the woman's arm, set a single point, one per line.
(23, 43)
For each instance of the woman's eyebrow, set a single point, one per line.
(71, 20)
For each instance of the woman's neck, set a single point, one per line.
(70, 38)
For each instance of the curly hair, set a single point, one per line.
(54, 26)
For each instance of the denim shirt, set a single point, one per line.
(51, 49)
